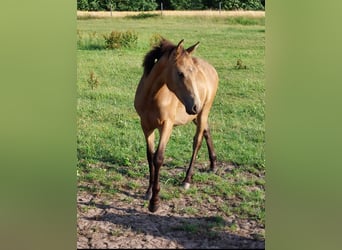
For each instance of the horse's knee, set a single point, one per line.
(158, 159)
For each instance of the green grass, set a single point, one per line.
(208, 229)
(109, 132)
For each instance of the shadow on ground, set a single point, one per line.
(124, 226)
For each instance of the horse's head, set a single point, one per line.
(183, 78)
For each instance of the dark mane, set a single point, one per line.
(156, 53)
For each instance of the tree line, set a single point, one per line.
(146, 5)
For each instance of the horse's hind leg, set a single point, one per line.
(149, 136)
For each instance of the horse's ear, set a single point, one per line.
(180, 47)
(192, 48)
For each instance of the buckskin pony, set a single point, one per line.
(175, 88)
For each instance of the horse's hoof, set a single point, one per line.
(213, 169)
(153, 207)
(186, 185)
(148, 196)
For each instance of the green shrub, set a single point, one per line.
(82, 5)
(118, 39)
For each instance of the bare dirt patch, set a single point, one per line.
(122, 220)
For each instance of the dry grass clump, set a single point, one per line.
(241, 13)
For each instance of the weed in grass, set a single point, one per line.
(118, 39)
(93, 81)
(240, 65)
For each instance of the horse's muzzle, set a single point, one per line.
(192, 106)
(193, 110)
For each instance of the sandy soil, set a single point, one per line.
(126, 223)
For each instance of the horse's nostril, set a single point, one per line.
(194, 109)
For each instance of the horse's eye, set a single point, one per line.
(180, 74)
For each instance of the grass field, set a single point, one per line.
(110, 142)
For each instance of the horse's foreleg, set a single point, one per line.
(211, 151)
(158, 160)
(202, 130)
(195, 147)
(149, 136)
